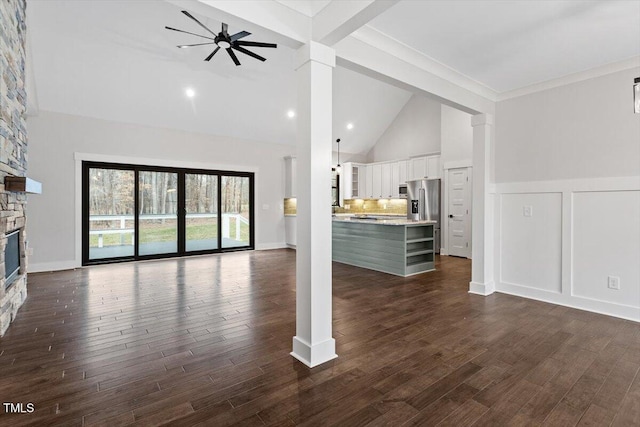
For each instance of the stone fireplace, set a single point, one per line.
(13, 151)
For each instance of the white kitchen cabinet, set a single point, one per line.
(417, 168)
(289, 177)
(386, 191)
(350, 181)
(433, 167)
(395, 180)
(362, 181)
(402, 171)
(368, 183)
(290, 230)
(424, 167)
(376, 181)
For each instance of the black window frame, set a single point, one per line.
(181, 210)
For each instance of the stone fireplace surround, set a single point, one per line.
(13, 149)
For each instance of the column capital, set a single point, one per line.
(316, 52)
(482, 119)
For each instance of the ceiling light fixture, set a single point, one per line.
(190, 92)
(349, 126)
(636, 95)
(291, 114)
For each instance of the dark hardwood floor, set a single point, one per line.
(206, 340)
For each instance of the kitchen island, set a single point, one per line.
(397, 246)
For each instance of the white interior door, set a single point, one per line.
(459, 239)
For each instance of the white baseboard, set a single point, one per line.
(483, 289)
(52, 266)
(601, 307)
(316, 354)
(269, 246)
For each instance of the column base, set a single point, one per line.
(482, 288)
(314, 355)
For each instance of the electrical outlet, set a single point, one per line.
(29, 251)
(613, 282)
(527, 211)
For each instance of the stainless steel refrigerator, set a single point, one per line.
(423, 203)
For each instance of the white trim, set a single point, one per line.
(622, 183)
(572, 78)
(150, 161)
(483, 289)
(580, 303)
(380, 40)
(270, 246)
(52, 266)
(457, 164)
(316, 354)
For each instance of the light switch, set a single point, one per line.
(527, 211)
(265, 207)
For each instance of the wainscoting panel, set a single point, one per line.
(579, 233)
(531, 246)
(604, 226)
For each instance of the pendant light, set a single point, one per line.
(636, 95)
(338, 167)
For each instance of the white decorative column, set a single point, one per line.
(313, 343)
(482, 281)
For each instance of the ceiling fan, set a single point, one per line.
(225, 41)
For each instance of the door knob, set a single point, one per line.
(450, 216)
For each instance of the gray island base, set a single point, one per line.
(399, 247)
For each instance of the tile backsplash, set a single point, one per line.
(360, 206)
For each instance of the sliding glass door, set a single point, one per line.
(110, 202)
(201, 219)
(140, 212)
(157, 213)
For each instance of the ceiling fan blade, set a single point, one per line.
(182, 46)
(225, 27)
(208, 58)
(198, 22)
(247, 52)
(238, 36)
(187, 32)
(233, 56)
(256, 44)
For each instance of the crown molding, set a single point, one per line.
(572, 78)
(373, 37)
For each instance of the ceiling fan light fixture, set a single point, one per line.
(224, 44)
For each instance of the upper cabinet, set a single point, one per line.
(424, 167)
(350, 181)
(289, 177)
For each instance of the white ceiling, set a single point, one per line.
(506, 45)
(114, 60)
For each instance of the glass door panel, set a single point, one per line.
(236, 210)
(201, 207)
(157, 208)
(111, 208)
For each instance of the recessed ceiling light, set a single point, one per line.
(349, 126)
(291, 114)
(190, 92)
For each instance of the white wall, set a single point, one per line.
(54, 138)
(572, 154)
(414, 131)
(457, 135)
(581, 130)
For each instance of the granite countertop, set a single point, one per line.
(391, 221)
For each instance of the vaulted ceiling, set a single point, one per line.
(114, 60)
